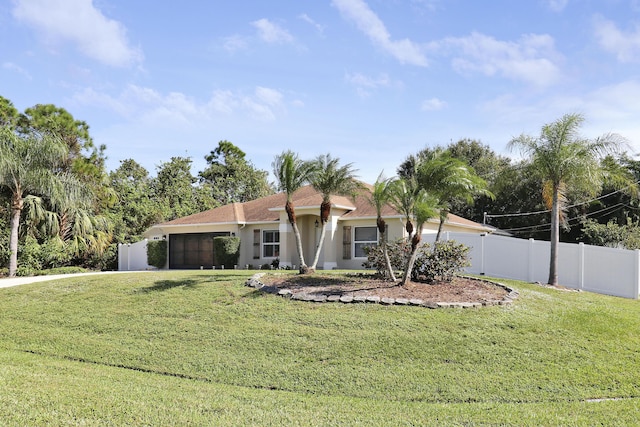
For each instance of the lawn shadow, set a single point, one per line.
(165, 285)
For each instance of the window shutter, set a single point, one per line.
(256, 244)
(346, 242)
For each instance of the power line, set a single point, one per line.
(612, 208)
(549, 210)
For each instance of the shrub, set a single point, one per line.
(227, 250)
(398, 252)
(29, 257)
(440, 261)
(62, 270)
(157, 253)
(54, 253)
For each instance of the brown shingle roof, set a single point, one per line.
(266, 209)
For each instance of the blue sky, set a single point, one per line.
(369, 81)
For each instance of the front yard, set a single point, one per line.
(200, 348)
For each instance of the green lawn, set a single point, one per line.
(200, 348)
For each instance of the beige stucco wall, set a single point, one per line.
(331, 255)
(395, 228)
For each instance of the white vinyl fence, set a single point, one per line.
(591, 268)
(133, 256)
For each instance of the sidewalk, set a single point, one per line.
(16, 281)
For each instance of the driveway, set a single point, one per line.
(16, 281)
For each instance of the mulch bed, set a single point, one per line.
(460, 290)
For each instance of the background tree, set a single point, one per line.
(8, 113)
(231, 177)
(136, 210)
(30, 166)
(331, 179)
(85, 160)
(291, 174)
(564, 161)
(175, 191)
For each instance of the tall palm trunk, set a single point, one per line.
(296, 232)
(382, 228)
(323, 232)
(415, 241)
(16, 209)
(443, 217)
(555, 236)
(325, 211)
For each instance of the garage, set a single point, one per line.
(192, 251)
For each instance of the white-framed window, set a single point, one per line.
(363, 237)
(270, 243)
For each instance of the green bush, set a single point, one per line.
(398, 254)
(54, 253)
(29, 257)
(227, 250)
(63, 270)
(440, 261)
(157, 253)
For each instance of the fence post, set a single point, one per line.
(636, 289)
(581, 265)
(531, 262)
(482, 236)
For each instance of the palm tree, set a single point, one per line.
(381, 196)
(292, 173)
(565, 161)
(403, 193)
(331, 179)
(30, 164)
(449, 179)
(424, 208)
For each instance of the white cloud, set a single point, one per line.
(366, 84)
(405, 51)
(234, 43)
(319, 28)
(531, 59)
(359, 79)
(18, 69)
(557, 5)
(151, 107)
(625, 46)
(79, 22)
(272, 33)
(268, 96)
(433, 104)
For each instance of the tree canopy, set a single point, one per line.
(231, 177)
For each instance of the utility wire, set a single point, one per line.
(548, 224)
(549, 210)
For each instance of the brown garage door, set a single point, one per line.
(192, 250)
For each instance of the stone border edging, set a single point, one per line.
(254, 282)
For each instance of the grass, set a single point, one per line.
(199, 348)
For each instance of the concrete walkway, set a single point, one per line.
(16, 281)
